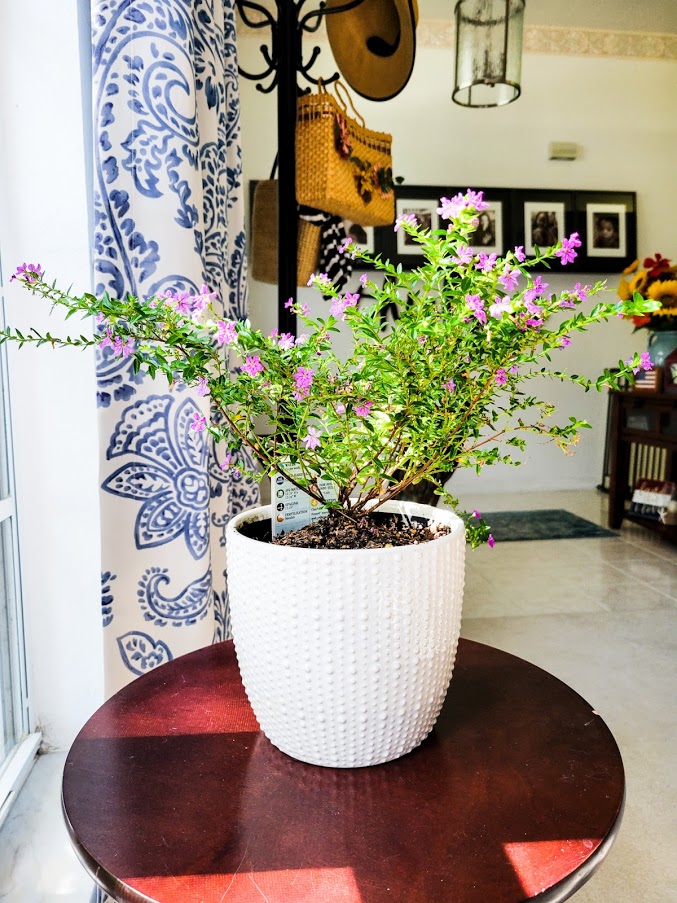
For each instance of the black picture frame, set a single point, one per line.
(616, 209)
(542, 217)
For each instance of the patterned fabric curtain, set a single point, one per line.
(169, 214)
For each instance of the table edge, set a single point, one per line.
(558, 893)
(568, 886)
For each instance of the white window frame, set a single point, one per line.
(16, 767)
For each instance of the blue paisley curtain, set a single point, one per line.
(169, 214)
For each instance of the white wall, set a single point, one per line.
(623, 112)
(43, 218)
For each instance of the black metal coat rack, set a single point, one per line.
(283, 58)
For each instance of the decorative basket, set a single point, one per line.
(342, 167)
(265, 246)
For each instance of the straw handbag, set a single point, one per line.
(342, 167)
(264, 232)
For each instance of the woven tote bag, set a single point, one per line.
(342, 167)
(264, 242)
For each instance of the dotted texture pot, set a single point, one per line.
(346, 655)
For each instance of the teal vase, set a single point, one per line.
(661, 344)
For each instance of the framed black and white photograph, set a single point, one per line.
(605, 230)
(607, 222)
(362, 236)
(488, 236)
(544, 224)
(426, 215)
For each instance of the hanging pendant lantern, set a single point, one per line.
(488, 52)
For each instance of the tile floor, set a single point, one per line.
(598, 613)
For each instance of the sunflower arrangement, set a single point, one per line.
(657, 281)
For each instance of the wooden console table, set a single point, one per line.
(643, 443)
(171, 794)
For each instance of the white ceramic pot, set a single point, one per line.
(346, 655)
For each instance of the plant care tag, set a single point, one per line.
(291, 507)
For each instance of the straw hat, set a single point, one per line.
(374, 45)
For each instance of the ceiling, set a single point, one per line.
(615, 15)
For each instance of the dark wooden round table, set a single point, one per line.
(172, 794)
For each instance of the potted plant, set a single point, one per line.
(346, 631)
(657, 281)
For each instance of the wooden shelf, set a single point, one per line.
(667, 530)
(660, 409)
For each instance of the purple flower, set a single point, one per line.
(486, 262)
(345, 245)
(199, 422)
(340, 408)
(564, 341)
(566, 253)
(322, 281)
(107, 340)
(121, 347)
(290, 303)
(302, 339)
(202, 387)
(537, 289)
(303, 379)
(449, 385)
(645, 362)
(203, 299)
(533, 309)
(184, 303)
(363, 278)
(225, 332)
(450, 208)
(205, 293)
(567, 304)
(475, 513)
(519, 254)
(491, 542)
(28, 273)
(253, 365)
(500, 307)
(339, 306)
(509, 278)
(464, 255)
(475, 199)
(226, 462)
(362, 409)
(581, 292)
(514, 369)
(501, 377)
(312, 438)
(405, 218)
(476, 305)
(285, 341)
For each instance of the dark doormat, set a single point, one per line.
(547, 523)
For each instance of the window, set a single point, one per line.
(17, 746)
